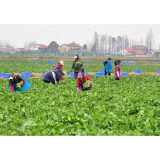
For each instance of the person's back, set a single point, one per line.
(108, 67)
(52, 77)
(105, 62)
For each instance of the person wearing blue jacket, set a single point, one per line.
(108, 67)
(52, 77)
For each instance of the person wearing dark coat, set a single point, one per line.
(104, 63)
(76, 68)
(52, 77)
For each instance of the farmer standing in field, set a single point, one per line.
(18, 83)
(117, 71)
(108, 67)
(104, 63)
(52, 77)
(83, 82)
(77, 66)
(59, 67)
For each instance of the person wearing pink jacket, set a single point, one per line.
(117, 70)
(59, 67)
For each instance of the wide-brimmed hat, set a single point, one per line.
(62, 63)
(80, 75)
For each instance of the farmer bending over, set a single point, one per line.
(52, 77)
(59, 67)
(18, 83)
(84, 82)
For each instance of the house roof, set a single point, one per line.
(72, 45)
(43, 46)
(131, 50)
(40, 46)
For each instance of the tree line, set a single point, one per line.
(102, 44)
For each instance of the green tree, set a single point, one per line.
(53, 47)
(84, 46)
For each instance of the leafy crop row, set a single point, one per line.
(127, 107)
(18, 66)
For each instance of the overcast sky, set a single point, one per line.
(80, 33)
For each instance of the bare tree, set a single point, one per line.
(95, 43)
(123, 42)
(150, 40)
(141, 41)
(126, 44)
(109, 44)
(119, 43)
(105, 43)
(88, 46)
(133, 42)
(101, 44)
(27, 45)
(113, 45)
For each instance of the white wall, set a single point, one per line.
(123, 52)
(34, 48)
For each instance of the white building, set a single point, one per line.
(38, 47)
(127, 51)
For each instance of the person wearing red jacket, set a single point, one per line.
(14, 79)
(81, 80)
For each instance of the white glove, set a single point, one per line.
(117, 74)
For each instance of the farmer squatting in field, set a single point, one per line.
(117, 70)
(59, 67)
(83, 82)
(52, 77)
(77, 66)
(18, 83)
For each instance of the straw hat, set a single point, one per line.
(62, 63)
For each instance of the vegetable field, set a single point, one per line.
(18, 66)
(127, 107)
